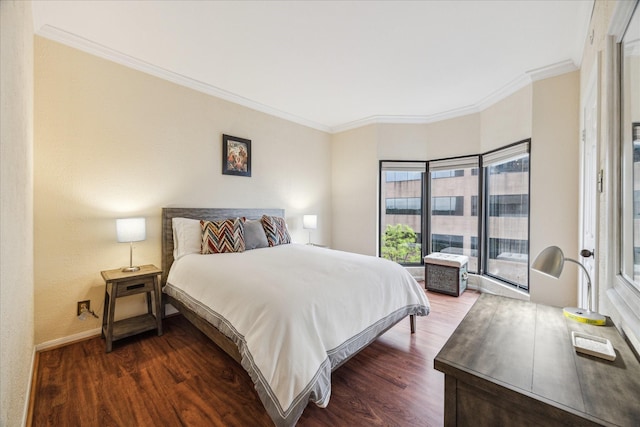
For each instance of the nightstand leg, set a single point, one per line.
(112, 310)
(149, 309)
(105, 310)
(158, 302)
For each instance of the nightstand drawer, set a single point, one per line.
(132, 287)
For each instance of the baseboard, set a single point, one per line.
(48, 345)
(27, 418)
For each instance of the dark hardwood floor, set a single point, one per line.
(183, 379)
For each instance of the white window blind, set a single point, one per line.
(504, 155)
(454, 163)
(404, 166)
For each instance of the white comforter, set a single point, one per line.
(295, 311)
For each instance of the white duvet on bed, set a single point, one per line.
(295, 311)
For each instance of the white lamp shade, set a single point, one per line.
(550, 261)
(310, 222)
(131, 229)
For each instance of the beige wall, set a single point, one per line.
(354, 173)
(16, 209)
(114, 142)
(555, 183)
(507, 121)
(546, 111)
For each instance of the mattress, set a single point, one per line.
(295, 312)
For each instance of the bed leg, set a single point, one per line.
(412, 320)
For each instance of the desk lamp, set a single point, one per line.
(551, 262)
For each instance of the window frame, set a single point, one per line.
(623, 296)
(452, 163)
(485, 240)
(382, 201)
(473, 162)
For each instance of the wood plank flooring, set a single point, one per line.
(183, 379)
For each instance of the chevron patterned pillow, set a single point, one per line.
(276, 230)
(222, 236)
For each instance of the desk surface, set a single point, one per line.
(526, 348)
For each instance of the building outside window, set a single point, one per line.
(630, 223)
(447, 205)
(453, 188)
(403, 205)
(506, 189)
(401, 189)
(446, 243)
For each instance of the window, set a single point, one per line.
(446, 243)
(392, 176)
(477, 206)
(404, 206)
(451, 173)
(401, 207)
(630, 156)
(447, 205)
(506, 189)
(509, 205)
(474, 205)
(621, 246)
(508, 249)
(453, 219)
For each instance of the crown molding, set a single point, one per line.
(85, 45)
(510, 88)
(412, 120)
(552, 70)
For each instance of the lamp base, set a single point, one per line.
(130, 269)
(584, 316)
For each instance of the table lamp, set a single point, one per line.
(310, 222)
(131, 230)
(551, 262)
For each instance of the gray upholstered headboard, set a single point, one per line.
(211, 214)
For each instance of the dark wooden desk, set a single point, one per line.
(512, 363)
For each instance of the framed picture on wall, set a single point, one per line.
(236, 156)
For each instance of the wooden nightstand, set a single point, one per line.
(119, 284)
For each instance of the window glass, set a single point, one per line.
(630, 146)
(447, 173)
(447, 243)
(507, 226)
(453, 219)
(401, 211)
(488, 224)
(509, 205)
(447, 205)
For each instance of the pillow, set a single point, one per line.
(254, 237)
(276, 230)
(187, 237)
(222, 236)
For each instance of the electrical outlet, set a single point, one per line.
(86, 304)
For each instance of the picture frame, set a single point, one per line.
(236, 156)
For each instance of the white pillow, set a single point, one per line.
(187, 237)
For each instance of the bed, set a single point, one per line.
(290, 314)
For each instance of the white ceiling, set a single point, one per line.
(333, 65)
